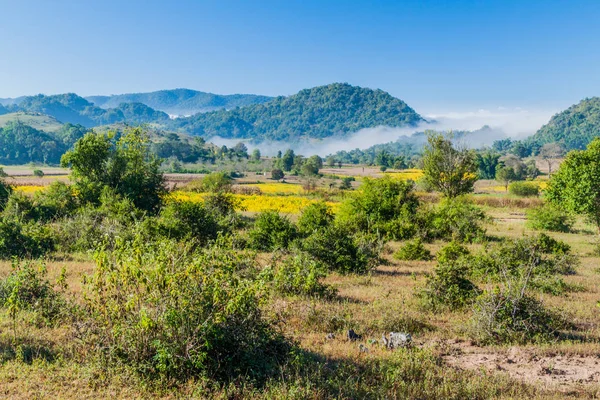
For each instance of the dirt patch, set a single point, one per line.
(563, 372)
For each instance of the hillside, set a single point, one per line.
(40, 122)
(71, 108)
(574, 128)
(3, 110)
(180, 101)
(334, 110)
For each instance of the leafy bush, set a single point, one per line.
(27, 288)
(25, 240)
(56, 201)
(457, 219)
(214, 182)
(504, 316)
(449, 287)
(549, 218)
(314, 217)
(186, 220)
(38, 172)
(451, 252)
(271, 231)
(340, 251)
(376, 204)
(413, 250)
(301, 275)
(524, 189)
(171, 315)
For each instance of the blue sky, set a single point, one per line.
(435, 55)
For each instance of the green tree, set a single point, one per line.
(256, 155)
(575, 187)
(506, 175)
(487, 163)
(126, 166)
(287, 161)
(277, 174)
(450, 170)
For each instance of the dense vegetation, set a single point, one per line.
(324, 111)
(180, 101)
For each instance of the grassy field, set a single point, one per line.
(36, 121)
(381, 301)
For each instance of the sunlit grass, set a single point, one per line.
(407, 174)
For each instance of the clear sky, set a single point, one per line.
(435, 55)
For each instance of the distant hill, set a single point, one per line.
(71, 108)
(574, 127)
(3, 110)
(334, 110)
(180, 101)
(37, 121)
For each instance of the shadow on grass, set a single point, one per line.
(25, 350)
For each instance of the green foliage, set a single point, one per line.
(487, 163)
(126, 166)
(451, 252)
(300, 274)
(22, 144)
(449, 286)
(185, 315)
(413, 250)
(271, 231)
(574, 187)
(314, 217)
(524, 189)
(509, 316)
(277, 174)
(27, 288)
(38, 172)
(25, 240)
(550, 218)
(449, 170)
(346, 183)
(574, 128)
(185, 221)
(339, 251)
(214, 182)
(379, 206)
(457, 219)
(506, 175)
(336, 109)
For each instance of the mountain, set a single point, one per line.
(10, 101)
(71, 108)
(37, 121)
(3, 110)
(337, 109)
(180, 101)
(574, 127)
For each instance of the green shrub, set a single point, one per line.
(186, 220)
(5, 191)
(271, 231)
(27, 288)
(524, 189)
(378, 202)
(38, 172)
(172, 315)
(449, 287)
(56, 201)
(301, 275)
(346, 183)
(25, 240)
(314, 217)
(339, 251)
(549, 218)
(457, 219)
(214, 182)
(504, 316)
(413, 250)
(451, 252)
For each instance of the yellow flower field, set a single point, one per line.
(258, 203)
(29, 189)
(278, 187)
(412, 174)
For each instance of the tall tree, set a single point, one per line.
(550, 153)
(448, 169)
(575, 187)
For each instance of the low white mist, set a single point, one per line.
(514, 123)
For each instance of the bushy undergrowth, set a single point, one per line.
(172, 314)
(341, 251)
(524, 189)
(549, 218)
(458, 220)
(413, 250)
(301, 275)
(314, 217)
(510, 315)
(271, 231)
